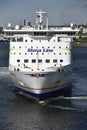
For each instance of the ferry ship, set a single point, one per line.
(40, 60)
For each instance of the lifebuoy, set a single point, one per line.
(37, 75)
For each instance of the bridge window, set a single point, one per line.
(20, 39)
(40, 33)
(13, 40)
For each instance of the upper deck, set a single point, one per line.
(40, 29)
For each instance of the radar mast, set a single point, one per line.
(40, 19)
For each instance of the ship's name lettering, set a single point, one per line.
(40, 50)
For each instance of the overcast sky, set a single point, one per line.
(59, 11)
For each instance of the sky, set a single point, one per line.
(59, 11)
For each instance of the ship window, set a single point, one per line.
(19, 53)
(31, 40)
(25, 53)
(61, 60)
(18, 60)
(55, 61)
(39, 61)
(33, 61)
(25, 40)
(13, 40)
(40, 33)
(19, 46)
(58, 39)
(20, 39)
(25, 60)
(47, 61)
(59, 53)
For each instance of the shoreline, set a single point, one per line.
(83, 44)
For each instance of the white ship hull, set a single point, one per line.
(40, 57)
(43, 85)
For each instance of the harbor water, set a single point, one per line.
(63, 113)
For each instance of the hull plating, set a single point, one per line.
(43, 96)
(44, 86)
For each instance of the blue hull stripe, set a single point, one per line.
(46, 95)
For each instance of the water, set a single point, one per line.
(64, 113)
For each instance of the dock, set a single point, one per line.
(2, 38)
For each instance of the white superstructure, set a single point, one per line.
(40, 57)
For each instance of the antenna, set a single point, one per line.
(40, 19)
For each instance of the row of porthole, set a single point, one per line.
(20, 39)
(42, 47)
(40, 60)
(42, 53)
(59, 70)
(28, 41)
(41, 41)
